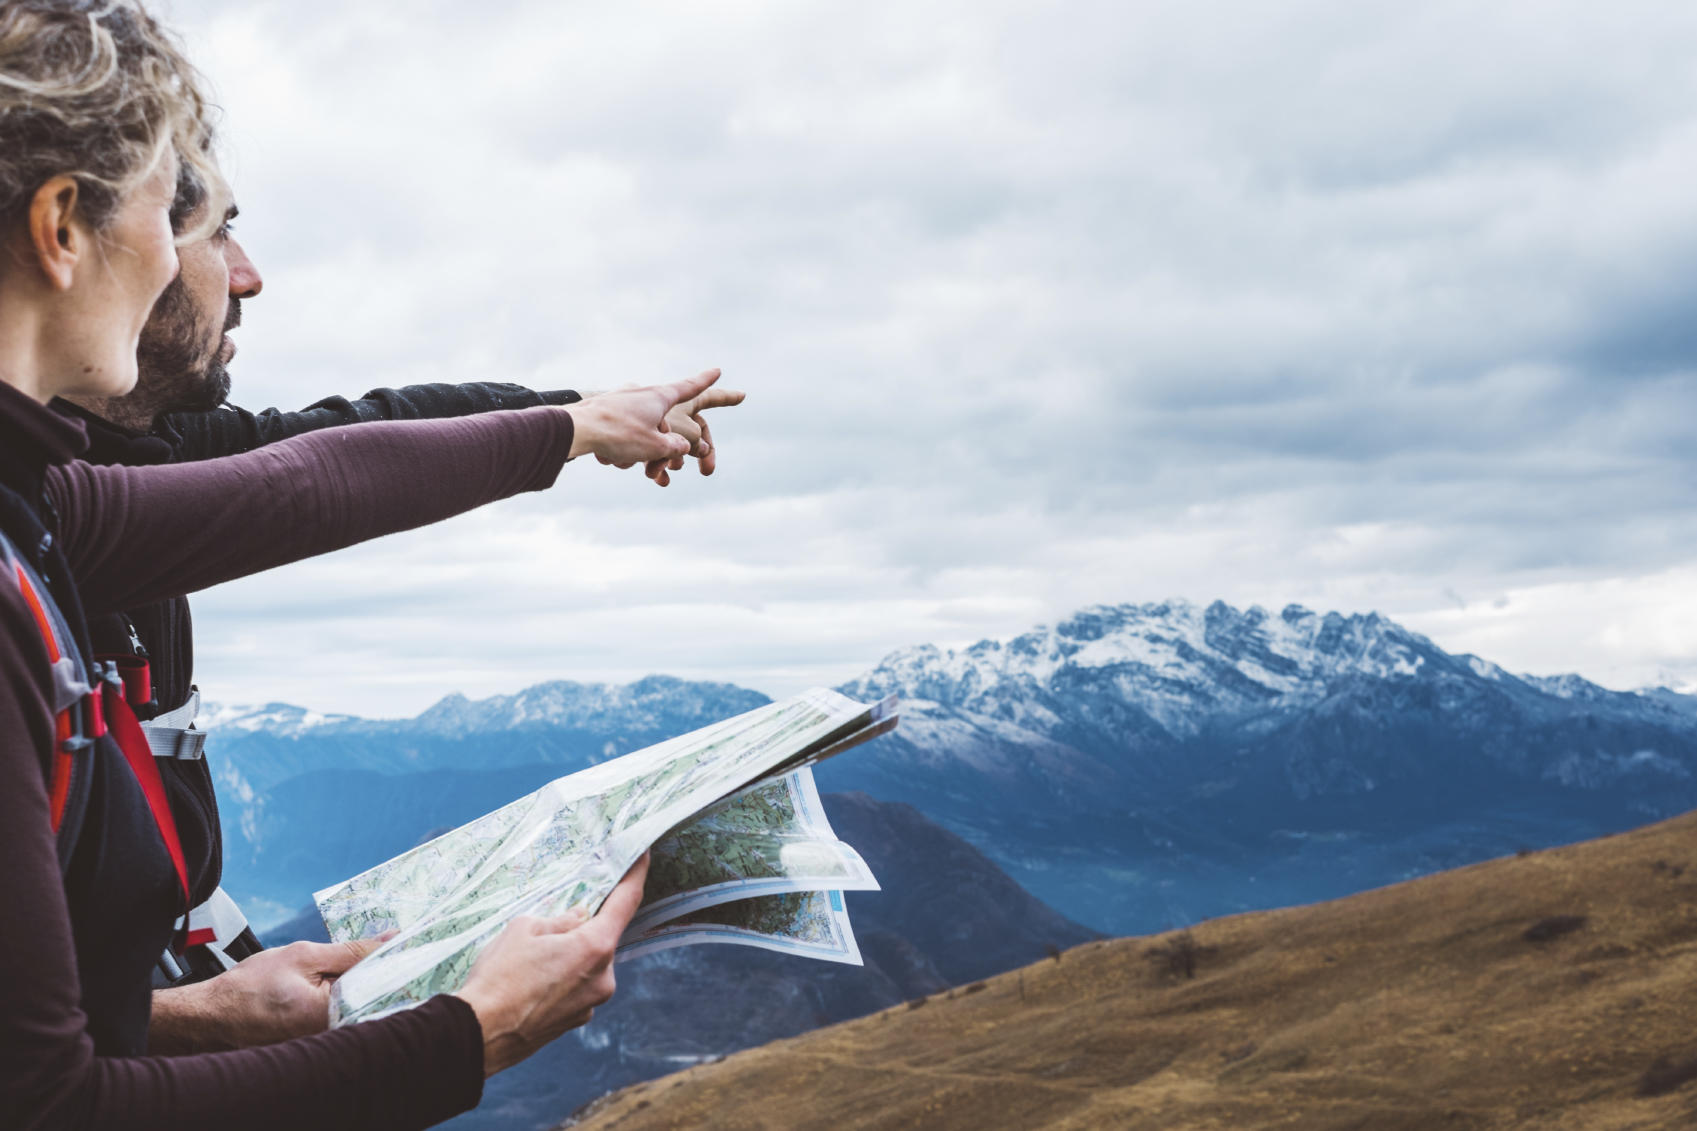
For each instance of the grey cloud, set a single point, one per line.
(1210, 288)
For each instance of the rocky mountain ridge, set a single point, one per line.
(1187, 669)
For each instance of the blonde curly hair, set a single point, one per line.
(99, 91)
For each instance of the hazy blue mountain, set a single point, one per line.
(568, 724)
(1135, 766)
(309, 799)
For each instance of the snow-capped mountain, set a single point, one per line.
(281, 719)
(1185, 668)
(1222, 748)
(1137, 695)
(1181, 664)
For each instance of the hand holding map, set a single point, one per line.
(529, 985)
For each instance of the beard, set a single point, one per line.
(178, 356)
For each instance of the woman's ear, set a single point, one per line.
(57, 235)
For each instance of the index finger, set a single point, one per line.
(680, 391)
(720, 398)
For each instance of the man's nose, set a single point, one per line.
(244, 276)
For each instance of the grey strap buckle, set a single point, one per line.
(183, 743)
(172, 735)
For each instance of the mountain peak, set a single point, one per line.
(1176, 658)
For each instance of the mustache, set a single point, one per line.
(233, 317)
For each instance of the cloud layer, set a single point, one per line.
(1356, 305)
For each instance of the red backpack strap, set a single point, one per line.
(106, 706)
(120, 720)
(66, 740)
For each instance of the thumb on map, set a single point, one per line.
(560, 924)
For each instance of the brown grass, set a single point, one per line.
(1556, 991)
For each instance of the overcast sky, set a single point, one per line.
(1358, 305)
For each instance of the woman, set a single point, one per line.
(97, 111)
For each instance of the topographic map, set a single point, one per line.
(812, 924)
(566, 845)
(771, 839)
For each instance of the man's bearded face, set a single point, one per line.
(182, 352)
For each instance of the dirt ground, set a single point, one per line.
(1554, 990)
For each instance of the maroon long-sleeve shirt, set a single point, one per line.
(132, 535)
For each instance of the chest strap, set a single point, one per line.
(169, 735)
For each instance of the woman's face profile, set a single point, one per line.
(98, 286)
(129, 264)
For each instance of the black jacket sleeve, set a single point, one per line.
(231, 431)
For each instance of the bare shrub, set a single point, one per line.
(1667, 1074)
(1179, 955)
(1553, 927)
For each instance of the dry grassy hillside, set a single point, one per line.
(1556, 990)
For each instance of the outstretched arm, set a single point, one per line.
(138, 534)
(231, 431)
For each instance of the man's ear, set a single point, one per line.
(57, 235)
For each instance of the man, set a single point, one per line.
(176, 413)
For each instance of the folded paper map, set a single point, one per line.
(743, 853)
(771, 839)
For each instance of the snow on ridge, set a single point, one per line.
(1168, 644)
(279, 718)
(1485, 669)
(1569, 686)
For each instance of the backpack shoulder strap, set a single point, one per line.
(84, 713)
(71, 690)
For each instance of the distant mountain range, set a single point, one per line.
(1135, 766)
(1141, 766)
